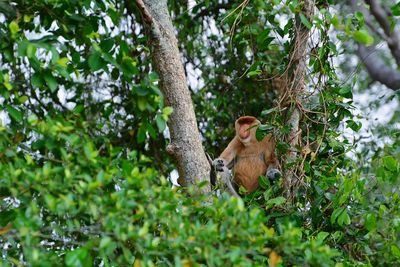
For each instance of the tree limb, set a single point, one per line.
(381, 17)
(377, 68)
(145, 13)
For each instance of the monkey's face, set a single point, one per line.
(246, 128)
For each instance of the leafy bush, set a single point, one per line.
(83, 206)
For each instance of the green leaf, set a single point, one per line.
(264, 182)
(390, 163)
(55, 56)
(354, 125)
(51, 202)
(275, 202)
(335, 22)
(90, 152)
(370, 222)
(129, 66)
(51, 81)
(260, 134)
(76, 57)
(153, 77)
(269, 111)
(322, 236)
(140, 90)
(335, 214)
(253, 73)
(141, 135)
(115, 74)
(14, 28)
(23, 99)
(346, 92)
(78, 257)
(37, 80)
(363, 37)
(151, 130)
(30, 51)
(263, 39)
(396, 9)
(266, 128)
(344, 218)
(141, 102)
(160, 123)
(63, 62)
(360, 17)
(305, 21)
(105, 241)
(79, 108)
(395, 251)
(7, 216)
(14, 113)
(95, 62)
(107, 44)
(167, 111)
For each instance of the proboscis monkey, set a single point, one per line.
(249, 157)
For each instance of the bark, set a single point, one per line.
(296, 84)
(377, 69)
(382, 17)
(185, 146)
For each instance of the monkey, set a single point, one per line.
(247, 157)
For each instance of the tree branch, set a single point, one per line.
(381, 17)
(145, 13)
(377, 68)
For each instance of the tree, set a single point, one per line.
(185, 145)
(294, 88)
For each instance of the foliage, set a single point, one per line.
(83, 165)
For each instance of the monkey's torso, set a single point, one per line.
(250, 158)
(249, 164)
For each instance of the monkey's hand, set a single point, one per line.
(273, 174)
(219, 164)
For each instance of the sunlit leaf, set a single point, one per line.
(363, 37)
(305, 21)
(14, 113)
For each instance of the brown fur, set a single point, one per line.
(251, 158)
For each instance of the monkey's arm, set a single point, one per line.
(227, 155)
(271, 160)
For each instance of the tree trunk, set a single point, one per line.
(294, 88)
(185, 146)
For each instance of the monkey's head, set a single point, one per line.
(246, 128)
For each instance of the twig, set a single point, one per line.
(145, 13)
